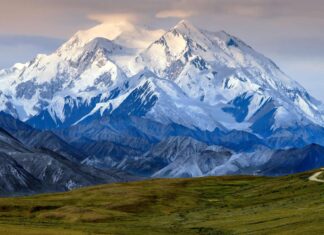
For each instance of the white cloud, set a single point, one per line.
(174, 14)
(115, 18)
(112, 25)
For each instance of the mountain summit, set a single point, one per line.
(186, 76)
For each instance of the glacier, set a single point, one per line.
(199, 81)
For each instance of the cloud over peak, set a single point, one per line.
(181, 14)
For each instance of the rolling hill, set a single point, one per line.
(210, 205)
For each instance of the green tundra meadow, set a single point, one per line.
(207, 206)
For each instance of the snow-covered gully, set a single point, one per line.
(315, 176)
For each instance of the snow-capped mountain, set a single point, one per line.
(222, 71)
(185, 76)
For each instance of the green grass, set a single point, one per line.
(206, 206)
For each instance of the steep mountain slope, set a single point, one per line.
(59, 89)
(178, 103)
(15, 180)
(60, 174)
(187, 157)
(220, 70)
(9, 143)
(200, 80)
(106, 154)
(294, 160)
(26, 170)
(161, 155)
(38, 139)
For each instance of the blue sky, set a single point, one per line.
(288, 31)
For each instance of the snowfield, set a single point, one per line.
(187, 76)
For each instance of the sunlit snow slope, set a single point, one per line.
(187, 76)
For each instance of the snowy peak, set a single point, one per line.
(80, 72)
(81, 38)
(173, 49)
(218, 67)
(103, 43)
(185, 28)
(185, 75)
(184, 24)
(124, 34)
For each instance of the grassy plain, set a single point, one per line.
(205, 206)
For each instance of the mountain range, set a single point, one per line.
(35, 167)
(183, 102)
